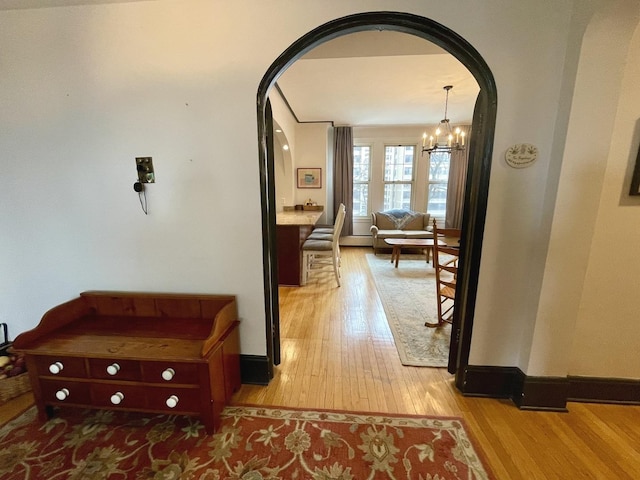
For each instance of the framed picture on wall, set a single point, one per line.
(309, 177)
(635, 180)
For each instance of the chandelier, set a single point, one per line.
(444, 139)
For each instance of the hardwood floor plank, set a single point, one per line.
(15, 406)
(338, 353)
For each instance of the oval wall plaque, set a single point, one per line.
(521, 155)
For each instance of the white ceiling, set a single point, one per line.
(378, 78)
(23, 4)
(362, 79)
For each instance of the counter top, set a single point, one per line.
(298, 217)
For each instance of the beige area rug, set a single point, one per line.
(408, 295)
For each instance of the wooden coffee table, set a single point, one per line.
(398, 243)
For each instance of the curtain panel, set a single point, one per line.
(343, 174)
(457, 178)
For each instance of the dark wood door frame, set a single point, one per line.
(273, 332)
(477, 182)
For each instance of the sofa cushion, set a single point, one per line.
(391, 234)
(417, 234)
(416, 223)
(383, 222)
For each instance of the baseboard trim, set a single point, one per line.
(489, 381)
(546, 393)
(254, 369)
(542, 393)
(528, 393)
(604, 390)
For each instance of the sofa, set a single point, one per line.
(398, 223)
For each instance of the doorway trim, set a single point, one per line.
(478, 174)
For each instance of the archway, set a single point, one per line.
(477, 184)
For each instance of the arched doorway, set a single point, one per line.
(477, 184)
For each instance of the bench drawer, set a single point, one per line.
(60, 366)
(65, 391)
(113, 395)
(170, 373)
(181, 400)
(114, 369)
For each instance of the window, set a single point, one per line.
(361, 179)
(437, 188)
(398, 176)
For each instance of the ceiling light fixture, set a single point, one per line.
(444, 139)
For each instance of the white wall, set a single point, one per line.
(87, 89)
(308, 148)
(313, 152)
(607, 333)
(580, 192)
(529, 75)
(284, 169)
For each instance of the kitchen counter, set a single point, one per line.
(298, 217)
(292, 229)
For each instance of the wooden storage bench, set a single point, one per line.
(161, 353)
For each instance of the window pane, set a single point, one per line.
(439, 166)
(398, 163)
(437, 200)
(360, 199)
(361, 162)
(438, 179)
(397, 195)
(361, 177)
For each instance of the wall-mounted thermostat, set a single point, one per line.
(144, 165)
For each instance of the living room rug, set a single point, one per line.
(253, 443)
(408, 295)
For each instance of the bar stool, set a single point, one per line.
(323, 254)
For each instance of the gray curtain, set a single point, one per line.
(456, 185)
(343, 174)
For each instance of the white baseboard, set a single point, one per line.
(356, 241)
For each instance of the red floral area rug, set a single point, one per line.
(253, 443)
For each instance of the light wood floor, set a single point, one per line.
(338, 353)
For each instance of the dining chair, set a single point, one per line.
(321, 233)
(323, 253)
(445, 262)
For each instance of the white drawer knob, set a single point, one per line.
(168, 374)
(117, 398)
(113, 369)
(56, 368)
(62, 394)
(172, 401)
